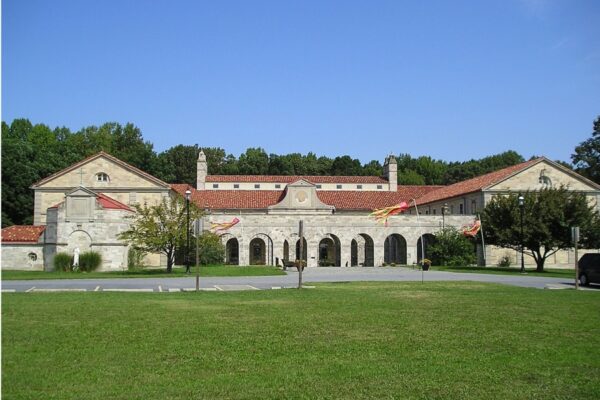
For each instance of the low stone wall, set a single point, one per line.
(25, 257)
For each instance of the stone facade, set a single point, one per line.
(85, 206)
(23, 256)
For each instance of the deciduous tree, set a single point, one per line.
(548, 215)
(161, 228)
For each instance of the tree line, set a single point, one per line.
(31, 152)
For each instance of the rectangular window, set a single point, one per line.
(434, 211)
(359, 186)
(277, 186)
(338, 186)
(236, 185)
(215, 185)
(461, 209)
(473, 206)
(257, 186)
(318, 186)
(426, 212)
(379, 186)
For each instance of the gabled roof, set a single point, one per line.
(110, 203)
(340, 199)
(109, 157)
(22, 233)
(105, 201)
(294, 178)
(478, 183)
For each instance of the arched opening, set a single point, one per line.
(362, 251)
(286, 251)
(232, 252)
(304, 250)
(394, 249)
(258, 252)
(428, 240)
(330, 251)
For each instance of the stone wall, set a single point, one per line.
(27, 257)
(274, 230)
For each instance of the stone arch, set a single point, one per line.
(261, 250)
(232, 248)
(394, 249)
(286, 250)
(362, 250)
(80, 239)
(304, 249)
(330, 251)
(232, 251)
(428, 239)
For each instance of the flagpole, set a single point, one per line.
(482, 241)
(420, 233)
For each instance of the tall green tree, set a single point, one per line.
(254, 162)
(548, 215)
(178, 164)
(161, 228)
(587, 155)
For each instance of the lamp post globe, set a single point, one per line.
(188, 195)
(521, 202)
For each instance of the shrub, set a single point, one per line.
(452, 248)
(504, 261)
(62, 262)
(89, 261)
(211, 249)
(135, 258)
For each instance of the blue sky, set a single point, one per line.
(451, 79)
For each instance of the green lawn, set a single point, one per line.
(205, 270)
(347, 340)
(549, 272)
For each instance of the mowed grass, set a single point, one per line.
(346, 341)
(547, 273)
(178, 272)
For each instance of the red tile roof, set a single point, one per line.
(294, 178)
(106, 202)
(340, 199)
(110, 203)
(476, 184)
(22, 233)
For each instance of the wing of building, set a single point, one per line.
(86, 206)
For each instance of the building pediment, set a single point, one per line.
(301, 196)
(101, 171)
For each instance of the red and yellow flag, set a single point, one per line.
(382, 214)
(216, 227)
(471, 230)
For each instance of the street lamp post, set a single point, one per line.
(521, 200)
(188, 194)
(444, 210)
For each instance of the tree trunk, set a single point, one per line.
(169, 262)
(540, 264)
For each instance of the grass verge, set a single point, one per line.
(205, 270)
(548, 273)
(445, 340)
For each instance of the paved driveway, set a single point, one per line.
(277, 282)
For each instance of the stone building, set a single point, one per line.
(86, 206)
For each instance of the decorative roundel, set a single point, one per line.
(301, 197)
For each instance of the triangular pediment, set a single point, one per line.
(301, 195)
(81, 192)
(544, 174)
(101, 171)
